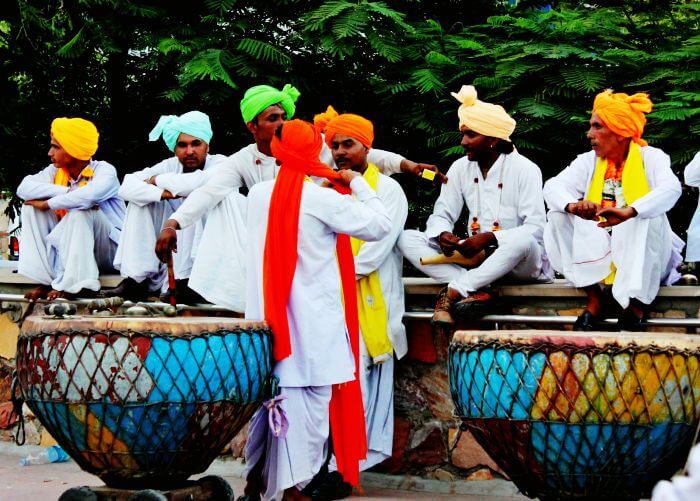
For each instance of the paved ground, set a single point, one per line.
(47, 482)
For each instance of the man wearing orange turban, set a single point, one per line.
(502, 191)
(299, 260)
(607, 221)
(71, 217)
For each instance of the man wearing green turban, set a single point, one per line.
(260, 97)
(154, 194)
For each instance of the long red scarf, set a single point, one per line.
(298, 151)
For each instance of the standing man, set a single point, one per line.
(607, 219)
(154, 194)
(502, 191)
(380, 298)
(71, 217)
(302, 282)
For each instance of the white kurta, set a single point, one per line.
(69, 254)
(692, 178)
(681, 487)
(644, 249)
(520, 213)
(146, 214)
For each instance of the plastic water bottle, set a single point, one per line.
(53, 454)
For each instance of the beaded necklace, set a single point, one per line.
(475, 227)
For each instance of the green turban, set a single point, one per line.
(257, 98)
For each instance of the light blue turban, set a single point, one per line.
(257, 98)
(194, 123)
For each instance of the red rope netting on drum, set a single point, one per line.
(144, 404)
(594, 419)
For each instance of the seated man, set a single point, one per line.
(692, 178)
(607, 219)
(219, 272)
(380, 298)
(301, 280)
(71, 217)
(154, 194)
(503, 193)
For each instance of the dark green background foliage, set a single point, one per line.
(124, 63)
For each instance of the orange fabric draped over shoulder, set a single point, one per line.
(298, 152)
(623, 114)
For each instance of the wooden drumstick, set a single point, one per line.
(172, 288)
(455, 258)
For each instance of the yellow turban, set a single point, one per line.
(485, 118)
(77, 136)
(623, 114)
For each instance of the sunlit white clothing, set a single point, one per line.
(692, 178)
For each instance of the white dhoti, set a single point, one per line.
(136, 257)
(645, 253)
(218, 273)
(67, 254)
(295, 459)
(516, 258)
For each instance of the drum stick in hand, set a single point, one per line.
(172, 288)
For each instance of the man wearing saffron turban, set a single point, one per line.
(301, 280)
(72, 216)
(380, 296)
(154, 194)
(607, 220)
(502, 191)
(219, 273)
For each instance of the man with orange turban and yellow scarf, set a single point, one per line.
(607, 221)
(301, 280)
(72, 216)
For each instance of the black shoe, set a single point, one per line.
(130, 289)
(587, 322)
(248, 497)
(629, 321)
(332, 487)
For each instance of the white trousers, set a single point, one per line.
(136, 257)
(68, 255)
(681, 487)
(219, 270)
(296, 458)
(517, 258)
(644, 251)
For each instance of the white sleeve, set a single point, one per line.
(373, 254)
(666, 187)
(449, 204)
(135, 189)
(389, 163)
(692, 171)
(530, 208)
(182, 184)
(569, 185)
(40, 186)
(103, 186)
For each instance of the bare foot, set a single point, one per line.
(54, 294)
(294, 494)
(39, 292)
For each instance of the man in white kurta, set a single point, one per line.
(219, 276)
(502, 191)
(350, 138)
(692, 178)
(72, 217)
(621, 225)
(153, 194)
(321, 354)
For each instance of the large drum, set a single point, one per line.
(147, 402)
(579, 415)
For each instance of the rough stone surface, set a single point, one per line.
(482, 474)
(427, 446)
(468, 454)
(436, 389)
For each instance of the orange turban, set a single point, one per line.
(77, 136)
(623, 114)
(347, 124)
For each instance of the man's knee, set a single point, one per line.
(409, 239)
(521, 246)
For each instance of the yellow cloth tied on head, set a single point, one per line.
(62, 178)
(485, 118)
(371, 307)
(79, 137)
(634, 183)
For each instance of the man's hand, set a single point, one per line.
(38, 204)
(167, 240)
(471, 246)
(167, 195)
(152, 180)
(347, 175)
(585, 209)
(614, 216)
(448, 242)
(417, 169)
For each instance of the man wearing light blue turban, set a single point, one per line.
(154, 194)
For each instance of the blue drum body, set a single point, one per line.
(143, 402)
(583, 416)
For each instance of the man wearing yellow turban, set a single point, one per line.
(219, 273)
(154, 194)
(72, 216)
(502, 191)
(380, 296)
(607, 220)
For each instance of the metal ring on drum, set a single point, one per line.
(579, 415)
(143, 402)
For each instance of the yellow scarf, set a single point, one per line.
(634, 184)
(62, 178)
(371, 307)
